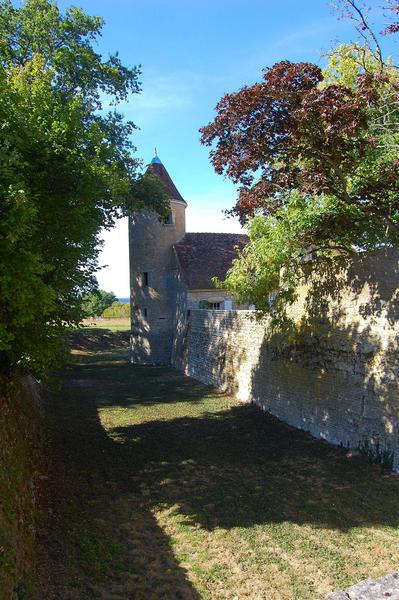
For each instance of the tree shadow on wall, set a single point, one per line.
(215, 357)
(332, 369)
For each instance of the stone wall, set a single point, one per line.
(333, 372)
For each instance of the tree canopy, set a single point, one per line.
(95, 303)
(316, 155)
(119, 310)
(66, 171)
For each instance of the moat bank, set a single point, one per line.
(164, 488)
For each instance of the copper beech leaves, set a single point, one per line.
(286, 133)
(315, 156)
(393, 9)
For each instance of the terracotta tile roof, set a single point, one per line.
(206, 255)
(157, 168)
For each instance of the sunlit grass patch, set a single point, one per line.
(111, 324)
(204, 498)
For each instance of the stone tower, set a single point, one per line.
(153, 275)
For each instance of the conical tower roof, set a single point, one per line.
(156, 168)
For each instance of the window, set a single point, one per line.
(209, 305)
(145, 312)
(170, 219)
(214, 305)
(145, 278)
(228, 305)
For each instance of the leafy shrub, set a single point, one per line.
(117, 310)
(96, 302)
(66, 172)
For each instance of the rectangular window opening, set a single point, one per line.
(215, 305)
(209, 305)
(145, 278)
(170, 219)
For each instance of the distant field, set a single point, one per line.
(112, 324)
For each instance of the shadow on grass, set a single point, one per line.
(93, 340)
(222, 468)
(102, 541)
(240, 468)
(119, 383)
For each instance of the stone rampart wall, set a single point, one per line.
(333, 373)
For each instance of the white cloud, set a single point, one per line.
(160, 95)
(212, 220)
(304, 36)
(294, 45)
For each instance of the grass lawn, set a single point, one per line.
(161, 488)
(112, 324)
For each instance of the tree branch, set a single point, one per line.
(363, 27)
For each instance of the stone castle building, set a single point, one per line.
(170, 271)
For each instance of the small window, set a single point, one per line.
(145, 312)
(214, 305)
(209, 305)
(170, 219)
(145, 278)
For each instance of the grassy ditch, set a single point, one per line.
(164, 489)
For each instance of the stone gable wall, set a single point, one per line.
(334, 373)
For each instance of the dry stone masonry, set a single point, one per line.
(334, 373)
(331, 370)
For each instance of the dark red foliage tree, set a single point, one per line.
(289, 133)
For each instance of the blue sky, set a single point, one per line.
(192, 52)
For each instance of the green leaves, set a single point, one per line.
(65, 43)
(66, 172)
(95, 303)
(316, 154)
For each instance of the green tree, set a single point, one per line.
(66, 171)
(119, 310)
(95, 303)
(316, 156)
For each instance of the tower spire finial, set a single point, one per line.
(156, 160)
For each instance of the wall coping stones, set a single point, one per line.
(371, 589)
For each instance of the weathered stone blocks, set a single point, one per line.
(336, 379)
